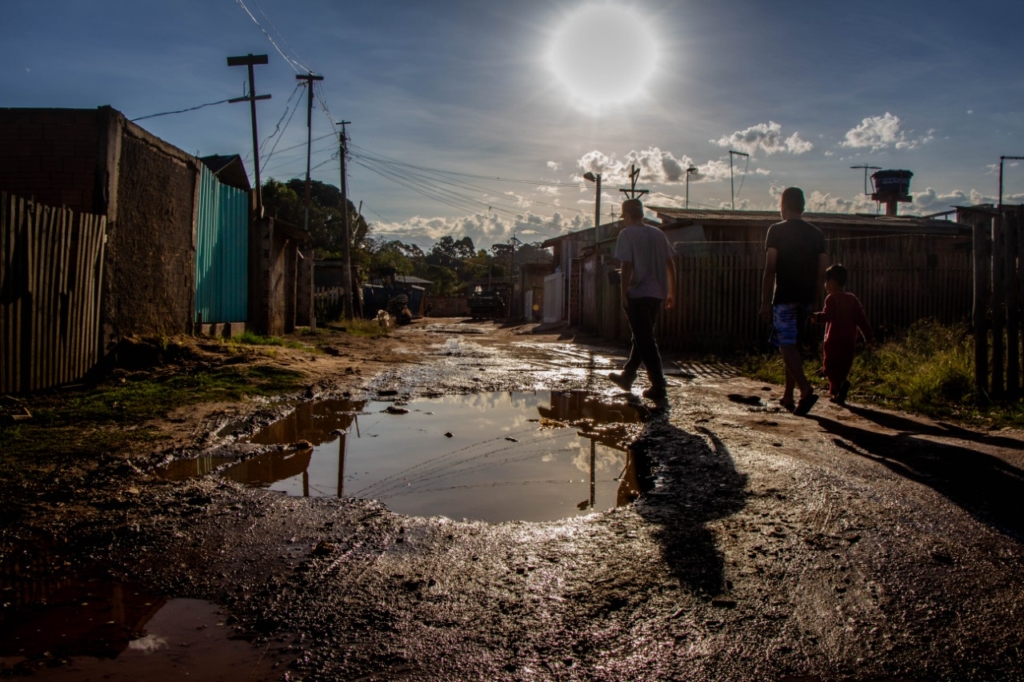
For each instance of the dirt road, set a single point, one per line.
(853, 544)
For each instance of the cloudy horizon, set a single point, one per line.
(480, 120)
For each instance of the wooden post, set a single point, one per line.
(1011, 230)
(1019, 219)
(982, 244)
(998, 305)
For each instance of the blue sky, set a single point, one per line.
(433, 88)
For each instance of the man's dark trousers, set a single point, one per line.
(642, 314)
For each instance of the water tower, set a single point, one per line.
(892, 187)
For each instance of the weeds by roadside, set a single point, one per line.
(928, 370)
(111, 416)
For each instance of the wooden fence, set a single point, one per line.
(718, 297)
(998, 300)
(51, 276)
(328, 303)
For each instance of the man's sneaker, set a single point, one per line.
(656, 393)
(622, 380)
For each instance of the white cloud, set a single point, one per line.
(656, 166)
(883, 132)
(766, 137)
(549, 190)
(554, 165)
(763, 171)
(485, 229)
(830, 153)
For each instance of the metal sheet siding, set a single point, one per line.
(222, 251)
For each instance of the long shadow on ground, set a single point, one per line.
(688, 485)
(986, 487)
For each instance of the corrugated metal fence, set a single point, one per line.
(51, 276)
(222, 251)
(718, 297)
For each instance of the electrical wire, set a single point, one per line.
(295, 65)
(281, 36)
(281, 136)
(277, 128)
(180, 111)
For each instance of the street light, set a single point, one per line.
(691, 169)
(595, 178)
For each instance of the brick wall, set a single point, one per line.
(50, 156)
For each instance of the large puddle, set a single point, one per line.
(55, 626)
(492, 457)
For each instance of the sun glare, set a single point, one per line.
(603, 54)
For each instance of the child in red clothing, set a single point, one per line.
(843, 317)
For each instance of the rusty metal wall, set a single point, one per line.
(51, 275)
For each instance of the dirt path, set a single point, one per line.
(854, 544)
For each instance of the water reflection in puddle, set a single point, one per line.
(64, 627)
(491, 457)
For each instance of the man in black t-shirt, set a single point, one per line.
(794, 274)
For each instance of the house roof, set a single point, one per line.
(683, 217)
(409, 279)
(229, 169)
(589, 233)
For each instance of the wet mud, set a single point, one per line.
(732, 540)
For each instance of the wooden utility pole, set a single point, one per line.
(981, 223)
(633, 192)
(251, 60)
(1011, 236)
(346, 246)
(309, 78)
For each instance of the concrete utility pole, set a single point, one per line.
(689, 170)
(309, 78)
(346, 246)
(1001, 159)
(596, 179)
(251, 60)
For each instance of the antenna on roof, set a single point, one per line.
(866, 168)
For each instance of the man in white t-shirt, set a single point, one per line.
(648, 283)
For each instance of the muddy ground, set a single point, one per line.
(856, 543)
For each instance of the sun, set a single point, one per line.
(604, 54)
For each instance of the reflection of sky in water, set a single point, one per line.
(502, 462)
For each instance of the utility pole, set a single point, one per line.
(1001, 159)
(251, 60)
(346, 246)
(309, 78)
(689, 169)
(633, 192)
(732, 188)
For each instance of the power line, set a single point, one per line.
(295, 65)
(181, 111)
(281, 36)
(281, 136)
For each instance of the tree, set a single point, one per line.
(284, 201)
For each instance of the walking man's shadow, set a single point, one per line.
(687, 481)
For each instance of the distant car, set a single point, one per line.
(488, 303)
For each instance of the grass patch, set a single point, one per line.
(250, 338)
(108, 418)
(357, 326)
(928, 370)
